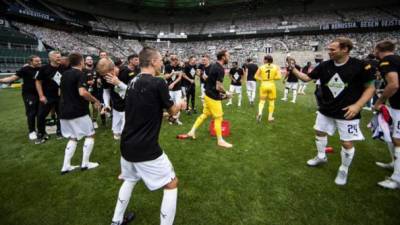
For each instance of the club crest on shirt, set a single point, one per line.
(236, 76)
(192, 72)
(57, 78)
(336, 85)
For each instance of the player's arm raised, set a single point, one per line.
(9, 79)
(302, 76)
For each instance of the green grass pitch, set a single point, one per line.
(262, 180)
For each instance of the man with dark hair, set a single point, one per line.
(141, 155)
(267, 74)
(236, 76)
(204, 69)
(92, 84)
(29, 93)
(127, 73)
(74, 114)
(215, 92)
(250, 70)
(389, 68)
(173, 76)
(346, 85)
(291, 83)
(48, 87)
(189, 78)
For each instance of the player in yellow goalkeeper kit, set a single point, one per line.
(267, 74)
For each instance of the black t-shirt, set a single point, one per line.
(190, 72)
(391, 63)
(146, 98)
(72, 105)
(28, 73)
(170, 69)
(341, 86)
(128, 74)
(217, 73)
(237, 74)
(204, 71)
(117, 95)
(251, 71)
(51, 78)
(291, 77)
(91, 75)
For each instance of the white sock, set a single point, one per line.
(168, 206)
(396, 172)
(249, 95)
(294, 95)
(285, 93)
(391, 150)
(240, 99)
(69, 153)
(177, 115)
(347, 157)
(87, 150)
(321, 143)
(123, 200)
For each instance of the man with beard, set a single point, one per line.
(215, 92)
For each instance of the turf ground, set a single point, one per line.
(262, 180)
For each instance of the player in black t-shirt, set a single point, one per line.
(29, 93)
(236, 76)
(302, 85)
(74, 114)
(250, 70)
(141, 155)
(173, 75)
(189, 78)
(215, 92)
(114, 91)
(291, 83)
(92, 84)
(346, 85)
(48, 86)
(389, 67)
(204, 69)
(132, 69)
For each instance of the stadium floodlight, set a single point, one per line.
(161, 33)
(182, 33)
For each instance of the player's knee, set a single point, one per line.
(173, 184)
(347, 144)
(320, 133)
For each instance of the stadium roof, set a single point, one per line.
(182, 3)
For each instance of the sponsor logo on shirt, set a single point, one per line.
(336, 85)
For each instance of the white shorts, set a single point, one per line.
(251, 85)
(302, 83)
(349, 130)
(118, 121)
(235, 89)
(176, 96)
(155, 173)
(291, 85)
(395, 114)
(77, 128)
